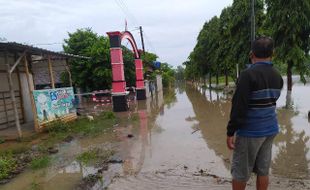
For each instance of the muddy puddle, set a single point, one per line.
(177, 141)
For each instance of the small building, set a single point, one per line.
(23, 69)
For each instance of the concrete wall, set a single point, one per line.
(159, 83)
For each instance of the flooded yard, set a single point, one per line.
(177, 140)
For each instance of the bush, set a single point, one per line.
(7, 164)
(57, 126)
(39, 163)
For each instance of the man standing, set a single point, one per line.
(253, 119)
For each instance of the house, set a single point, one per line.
(23, 69)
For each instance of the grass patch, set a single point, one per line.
(100, 123)
(7, 164)
(57, 126)
(88, 157)
(59, 130)
(94, 155)
(39, 163)
(108, 115)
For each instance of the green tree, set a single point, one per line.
(168, 74)
(240, 30)
(148, 59)
(290, 27)
(225, 45)
(224, 42)
(94, 73)
(180, 73)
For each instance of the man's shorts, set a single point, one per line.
(251, 155)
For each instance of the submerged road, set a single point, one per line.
(183, 145)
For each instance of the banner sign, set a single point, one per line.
(53, 103)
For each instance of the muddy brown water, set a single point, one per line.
(177, 135)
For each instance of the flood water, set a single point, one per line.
(178, 134)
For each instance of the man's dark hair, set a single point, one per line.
(262, 47)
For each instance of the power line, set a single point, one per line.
(149, 43)
(126, 11)
(129, 12)
(124, 8)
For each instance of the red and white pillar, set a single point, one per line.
(119, 94)
(118, 82)
(141, 92)
(139, 74)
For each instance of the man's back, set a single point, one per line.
(265, 84)
(254, 102)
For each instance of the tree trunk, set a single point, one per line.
(205, 81)
(289, 76)
(288, 104)
(217, 78)
(226, 77)
(210, 78)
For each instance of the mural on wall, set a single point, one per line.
(54, 103)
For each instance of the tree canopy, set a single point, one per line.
(290, 28)
(88, 74)
(224, 41)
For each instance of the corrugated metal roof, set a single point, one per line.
(17, 47)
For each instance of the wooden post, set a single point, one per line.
(69, 73)
(5, 110)
(226, 76)
(11, 87)
(50, 70)
(34, 111)
(20, 91)
(210, 80)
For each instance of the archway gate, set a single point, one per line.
(119, 93)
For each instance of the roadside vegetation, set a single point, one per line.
(223, 43)
(40, 162)
(95, 155)
(7, 164)
(34, 152)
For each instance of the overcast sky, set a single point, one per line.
(171, 26)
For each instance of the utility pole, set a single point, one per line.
(142, 40)
(252, 20)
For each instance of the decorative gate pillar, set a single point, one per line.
(119, 94)
(141, 93)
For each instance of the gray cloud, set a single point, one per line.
(171, 26)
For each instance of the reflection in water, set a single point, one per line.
(291, 152)
(290, 160)
(170, 97)
(212, 116)
(134, 152)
